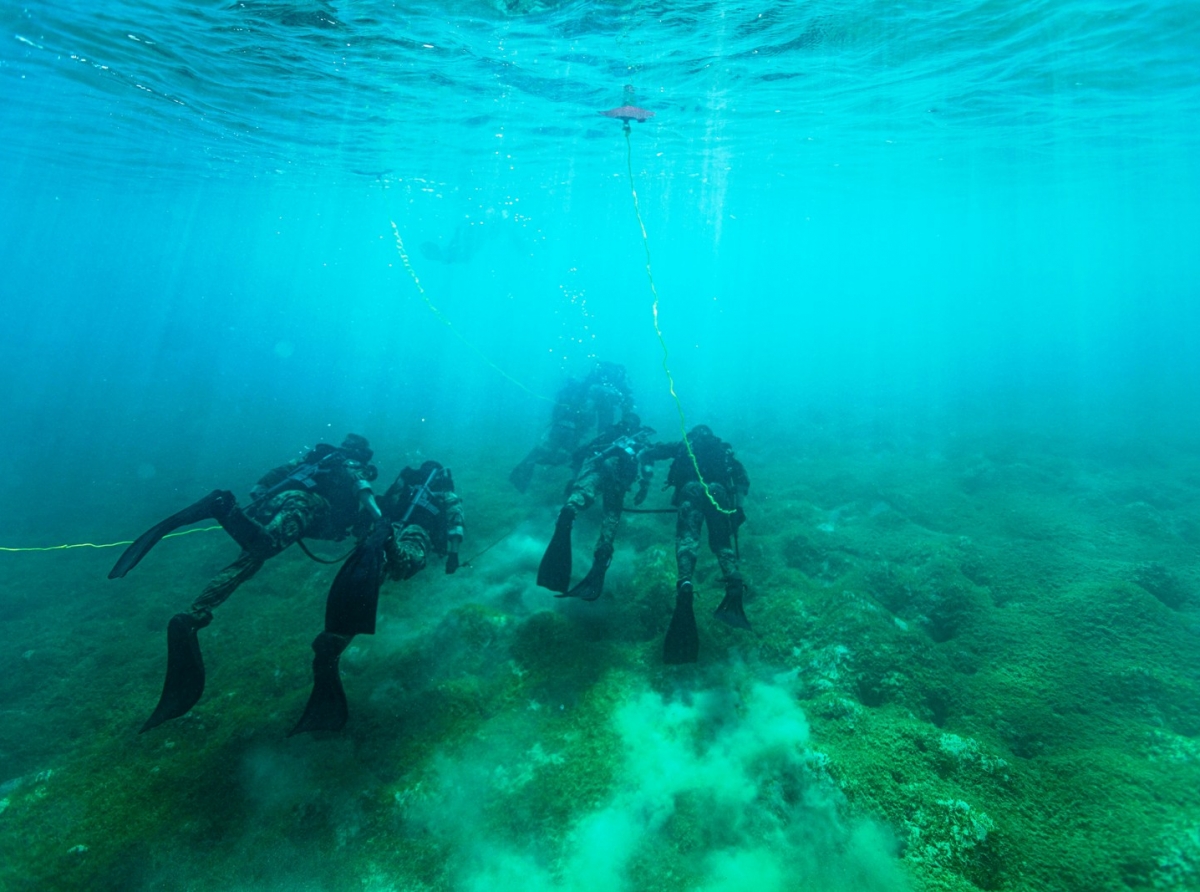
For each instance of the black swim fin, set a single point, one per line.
(682, 644)
(730, 611)
(592, 585)
(326, 709)
(185, 671)
(554, 572)
(354, 596)
(215, 505)
(522, 475)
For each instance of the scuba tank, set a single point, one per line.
(713, 455)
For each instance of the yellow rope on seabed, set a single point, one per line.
(107, 544)
(658, 330)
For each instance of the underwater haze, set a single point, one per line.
(930, 268)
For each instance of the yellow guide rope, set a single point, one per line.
(658, 331)
(107, 544)
(441, 317)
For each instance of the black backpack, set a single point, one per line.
(713, 455)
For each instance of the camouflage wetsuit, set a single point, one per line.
(325, 508)
(607, 467)
(434, 524)
(579, 408)
(728, 484)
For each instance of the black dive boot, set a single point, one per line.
(185, 671)
(554, 572)
(214, 506)
(591, 586)
(326, 709)
(682, 644)
(730, 610)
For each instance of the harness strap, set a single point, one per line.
(321, 560)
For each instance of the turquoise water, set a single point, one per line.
(930, 268)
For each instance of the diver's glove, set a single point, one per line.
(451, 562)
(640, 495)
(739, 517)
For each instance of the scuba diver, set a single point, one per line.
(720, 506)
(608, 466)
(320, 496)
(422, 514)
(580, 407)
